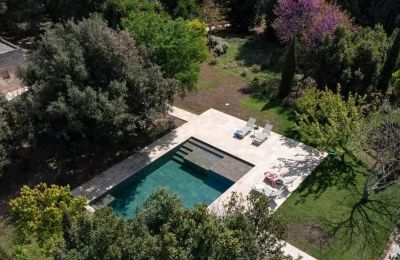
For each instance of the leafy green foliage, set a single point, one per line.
(10, 249)
(164, 229)
(390, 63)
(396, 83)
(353, 59)
(87, 80)
(35, 11)
(242, 14)
(39, 211)
(288, 71)
(328, 121)
(5, 135)
(181, 8)
(173, 44)
(373, 12)
(115, 10)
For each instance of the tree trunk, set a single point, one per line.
(365, 195)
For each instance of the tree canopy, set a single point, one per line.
(353, 59)
(242, 15)
(164, 229)
(379, 138)
(174, 45)
(39, 212)
(328, 121)
(309, 20)
(5, 135)
(373, 12)
(86, 80)
(35, 11)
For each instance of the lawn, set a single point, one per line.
(326, 221)
(222, 87)
(252, 56)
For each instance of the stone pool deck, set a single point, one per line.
(278, 154)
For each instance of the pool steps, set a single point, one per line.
(203, 157)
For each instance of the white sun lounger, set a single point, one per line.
(246, 129)
(268, 190)
(261, 137)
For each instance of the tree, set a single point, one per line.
(373, 12)
(210, 12)
(353, 59)
(288, 71)
(115, 10)
(5, 135)
(326, 120)
(396, 83)
(380, 139)
(38, 213)
(172, 44)
(88, 81)
(390, 63)
(35, 11)
(164, 229)
(242, 15)
(181, 8)
(309, 20)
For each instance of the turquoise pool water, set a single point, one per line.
(191, 184)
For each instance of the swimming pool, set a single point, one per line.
(186, 171)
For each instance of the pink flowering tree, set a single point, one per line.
(310, 20)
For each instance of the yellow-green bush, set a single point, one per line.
(39, 213)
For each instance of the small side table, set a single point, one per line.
(255, 129)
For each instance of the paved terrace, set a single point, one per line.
(279, 154)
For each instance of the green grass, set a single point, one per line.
(244, 52)
(319, 214)
(264, 110)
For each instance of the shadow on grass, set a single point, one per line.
(366, 220)
(331, 172)
(258, 51)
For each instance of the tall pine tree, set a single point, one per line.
(390, 63)
(288, 71)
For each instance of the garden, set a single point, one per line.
(103, 74)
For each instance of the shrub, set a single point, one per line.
(256, 68)
(39, 213)
(213, 62)
(298, 89)
(264, 89)
(219, 45)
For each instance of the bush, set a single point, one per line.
(264, 89)
(256, 68)
(213, 62)
(39, 213)
(297, 90)
(219, 45)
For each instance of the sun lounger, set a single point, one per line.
(261, 137)
(268, 190)
(246, 129)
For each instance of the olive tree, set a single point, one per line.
(87, 80)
